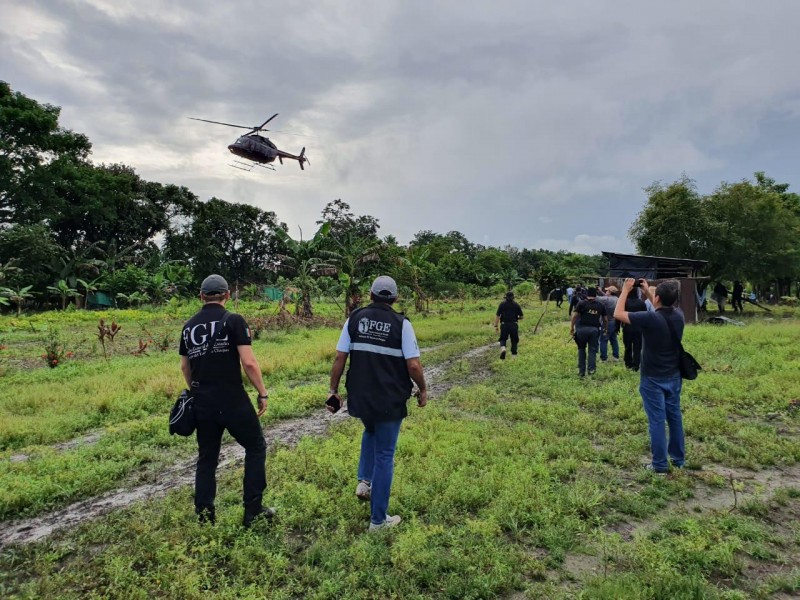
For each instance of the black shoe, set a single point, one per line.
(206, 514)
(263, 514)
(503, 354)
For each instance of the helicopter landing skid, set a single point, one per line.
(245, 166)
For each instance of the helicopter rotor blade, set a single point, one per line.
(220, 123)
(268, 120)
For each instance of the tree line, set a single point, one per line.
(748, 230)
(70, 228)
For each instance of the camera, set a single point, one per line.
(638, 282)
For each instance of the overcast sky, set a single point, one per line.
(529, 123)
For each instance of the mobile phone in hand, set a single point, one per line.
(334, 403)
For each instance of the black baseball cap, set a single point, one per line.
(213, 284)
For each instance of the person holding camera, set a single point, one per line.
(587, 320)
(213, 345)
(507, 316)
(660, 378)
(384, 359)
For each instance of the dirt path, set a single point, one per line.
(287, 433)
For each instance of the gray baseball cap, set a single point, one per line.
(214, 284)
(385, 287)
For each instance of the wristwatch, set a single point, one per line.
(264, 397)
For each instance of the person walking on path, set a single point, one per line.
(508, 314)
(214, 343)
(660, 378)
(609, 301)
(558, 296)
(384, 359)
(632, 337)
(588, 318)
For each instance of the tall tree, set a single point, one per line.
(238, 241)
(32, 147)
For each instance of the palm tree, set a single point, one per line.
(353, 254)
(306, 259)
(8, 268)
(63, 290)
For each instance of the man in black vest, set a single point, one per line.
(589, 316)
(508, 313)
(384, 359)
(213, 344)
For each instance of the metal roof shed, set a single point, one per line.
(656, 269)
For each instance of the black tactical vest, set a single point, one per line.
(378, 384)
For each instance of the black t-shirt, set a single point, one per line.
(221, 366)
(590, 313)
(509, 312)
(632, 305)
(659, 352)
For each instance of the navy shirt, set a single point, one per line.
(509, 312)
(591, 313)
(218, 365)
(659, 352)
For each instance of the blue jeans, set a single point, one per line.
(376, 464)
(662, 403)
(605, 338)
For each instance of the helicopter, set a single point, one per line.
(260, 150)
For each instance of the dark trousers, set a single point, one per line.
(587, 336)
(509, 330)
(736, 303)
(632, 340)
(216, 410)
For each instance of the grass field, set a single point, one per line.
(518, 480)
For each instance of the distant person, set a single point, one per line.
(587, 320)
(575, 298)
(720, 296)
(570, 292)
(213, 346)
(384, 359)
(631, 336)
(609, 301)
(736, 297)
(660, 378)
(558, 296)
(507, 316)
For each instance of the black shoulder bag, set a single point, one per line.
(181, 417)
(687, 364)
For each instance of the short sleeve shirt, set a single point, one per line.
(409, 340)
(590, 313)
(659, 352)
(216, 364)
(509, 312)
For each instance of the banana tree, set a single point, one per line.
(414, 265)
(89, 287)
(18, 296)
(305, 260)
(352, 256)
(64, 291)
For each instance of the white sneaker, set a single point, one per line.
(364, 490)
(389, 522)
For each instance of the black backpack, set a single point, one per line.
(687, 364)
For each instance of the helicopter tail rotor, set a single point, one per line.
(302, 159)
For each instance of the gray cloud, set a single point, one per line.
(516, 123)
